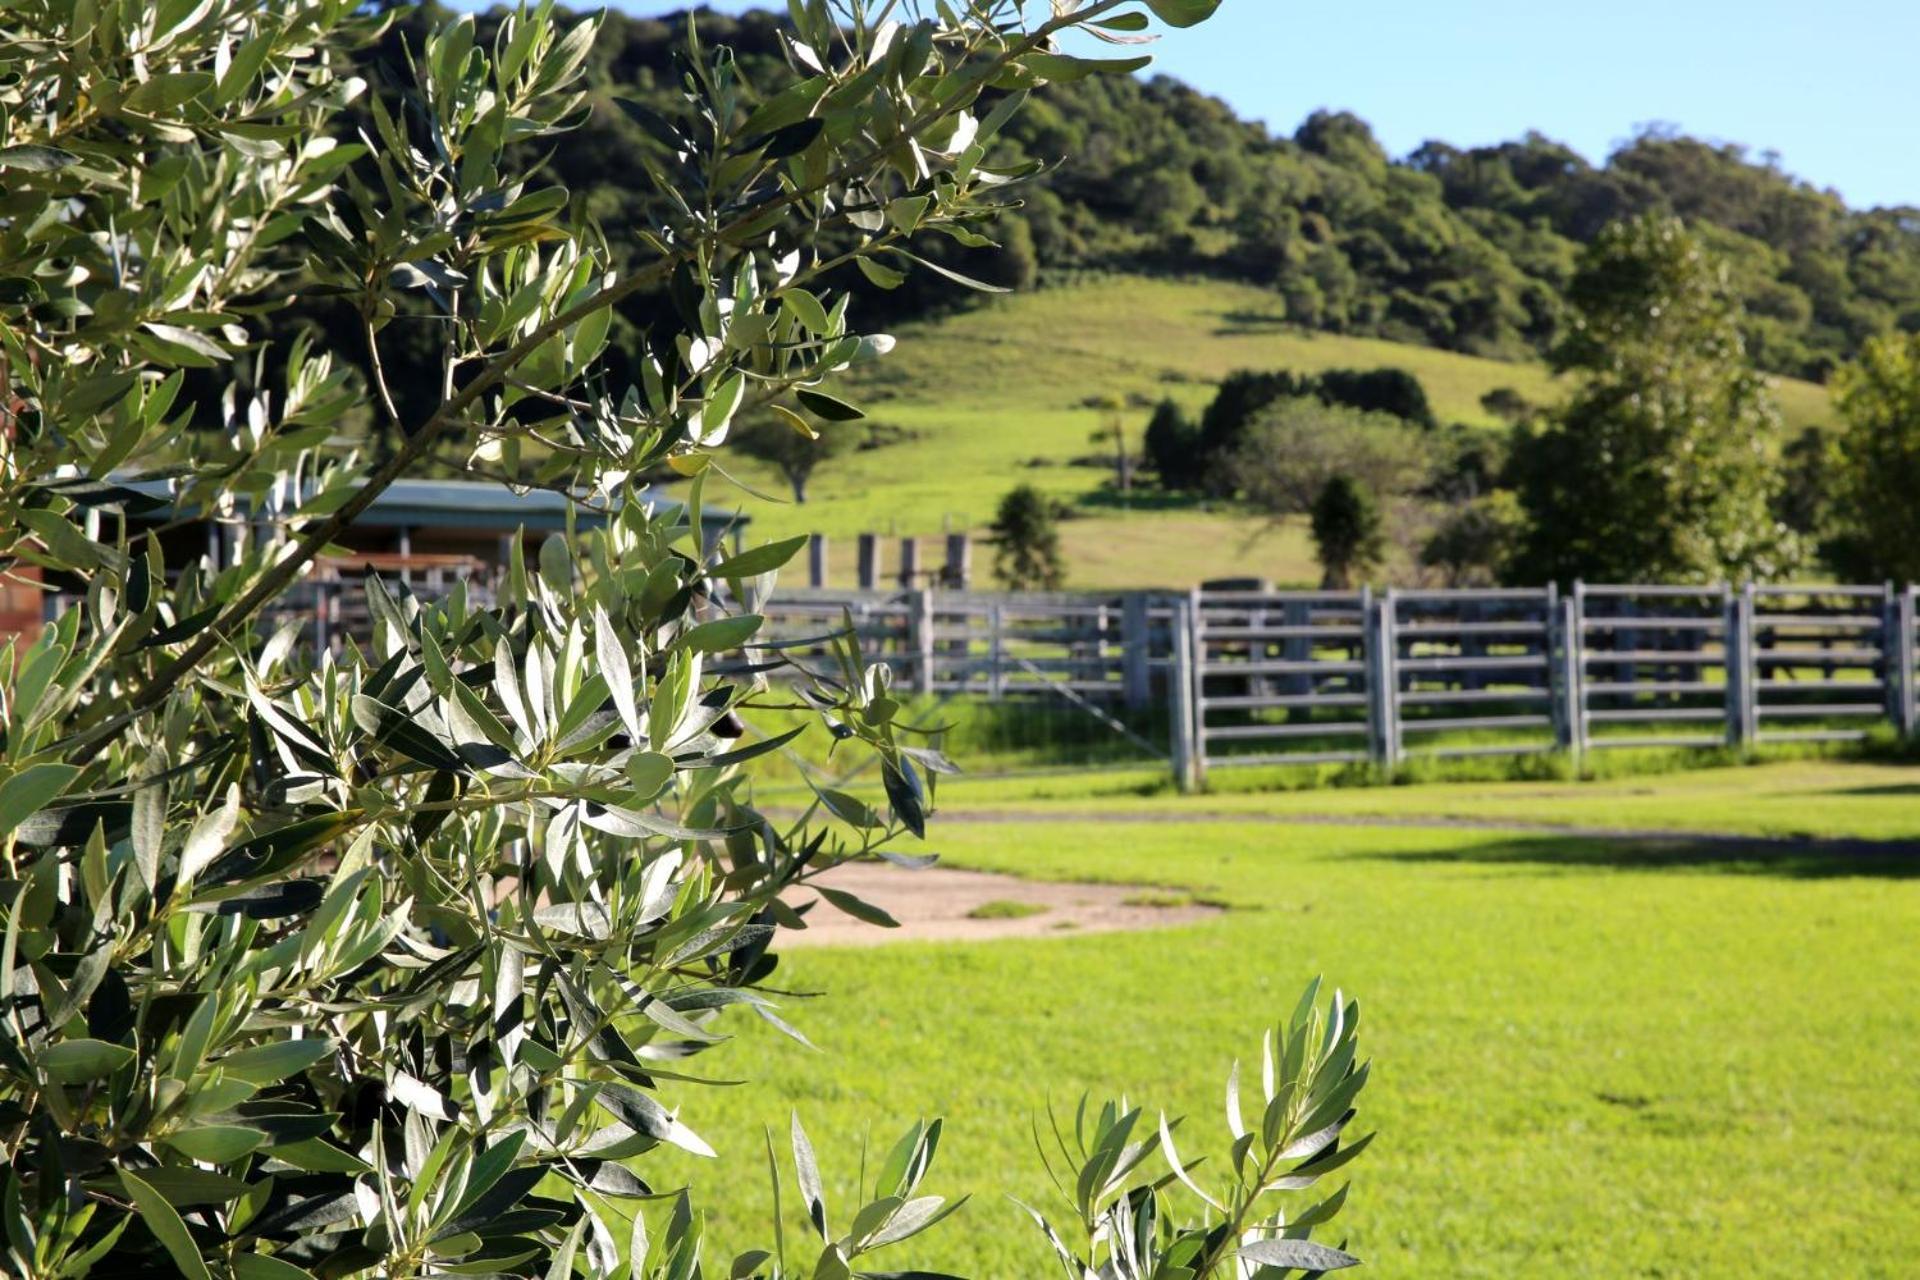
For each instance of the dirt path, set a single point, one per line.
(941, 905)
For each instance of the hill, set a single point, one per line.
(1468, 250)
(996, 396)
(1169, 242)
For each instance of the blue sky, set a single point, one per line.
(1833, 87)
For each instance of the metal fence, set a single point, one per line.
(1315, 677)
(1108, 649)
(1246, 675)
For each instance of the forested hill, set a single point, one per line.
(1467, 250)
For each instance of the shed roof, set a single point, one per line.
(483, 505)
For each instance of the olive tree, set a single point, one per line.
(376, 962)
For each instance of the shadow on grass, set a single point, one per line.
(1143, 498)
(1890, 789)
(1244, 323)
(1803, 859)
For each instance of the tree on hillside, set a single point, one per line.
(1244, 395)
(1172, 445)
(1507, 405)
(1875, 514)
(796, 453)
(1813, 499)
(1241, 394)
(1384, 390)
(1475, 540)
(1657, 467)
(1295, 446)
(1468, 249)
(1348, 537)
(380, 962)
(1026, 544)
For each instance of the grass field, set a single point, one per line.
(994, 397)
(1824, 798)
(1592, 1059)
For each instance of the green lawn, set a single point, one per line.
(1592, 1058)
(1787, 798)
(993, 397)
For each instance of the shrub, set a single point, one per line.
(1172, 446)
(1347, 535)
(1475, 540)
(1246, 397)
(1295, 447)
(1026, 546)
(1388, 390)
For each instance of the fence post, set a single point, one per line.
(1136, 641)
(1898, 650)
(920, 635)
(959, 570)
(1573, 701)
(1909, 702)
(869, 554)
(1383, 682)
(1183, 682)
(996, 650)
(1296, 616)
(1742, 720)
(817, 560)
(909, 562)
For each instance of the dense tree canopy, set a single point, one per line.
(1466, 249)
(1873, 519)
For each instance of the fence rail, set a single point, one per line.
(1248, 675)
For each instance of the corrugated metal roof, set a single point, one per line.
(480, 505)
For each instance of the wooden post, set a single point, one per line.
(909, 562)
(869, 554)
(1183, 691)
(1900, 661)
(817, 560)
(921, 637)
(1136, 639)
(959, 571)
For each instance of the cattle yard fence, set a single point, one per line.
(1242, 674)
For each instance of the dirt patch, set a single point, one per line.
(941, 905)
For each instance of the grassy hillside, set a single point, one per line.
(994, 397)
